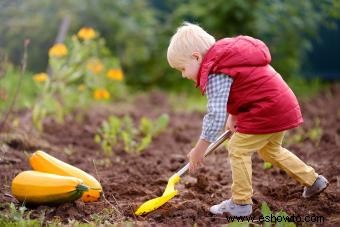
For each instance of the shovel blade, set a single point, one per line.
(153, 204)
(168, 194)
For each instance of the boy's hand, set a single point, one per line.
(196, 155)
(195, 159)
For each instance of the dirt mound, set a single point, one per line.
(129, 180)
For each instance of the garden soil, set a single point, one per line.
(129, 180)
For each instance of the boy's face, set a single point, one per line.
(191, 66)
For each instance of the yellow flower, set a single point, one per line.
(115, 74)
(58, 50)
(86, 33)
(101, 93)
(95, 66)
(40, 77)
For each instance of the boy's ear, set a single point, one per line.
(197, 56)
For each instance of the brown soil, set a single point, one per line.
(129, 180)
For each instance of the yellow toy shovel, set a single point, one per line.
(170, 191)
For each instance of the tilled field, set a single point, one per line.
(128, 180)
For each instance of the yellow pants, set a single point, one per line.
(241, 147)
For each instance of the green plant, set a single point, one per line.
(134, 139)
(294, 137)
(17, 217)
(280, 219)
(315, 132)
(81, 71)
(266, 213)
(8, 84)
(241, 224)
(267, 165)
(147, 127)
(107, 135)
(147, 130)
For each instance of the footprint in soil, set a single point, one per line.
(200, 182)
(188, 195)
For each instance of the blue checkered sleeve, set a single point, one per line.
(217, 92)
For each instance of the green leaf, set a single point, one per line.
(161, 123)
(239, 224)
(97, 138)
(128, 142)
(146, 141)
(145, 126)
(267, 165)
(284, 217)
(265, 210)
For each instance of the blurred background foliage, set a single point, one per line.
(138, 31)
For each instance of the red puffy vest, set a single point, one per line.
(259, 97)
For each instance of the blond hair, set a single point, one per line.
(188, 38)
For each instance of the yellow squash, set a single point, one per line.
(44, 162)
(35, 187)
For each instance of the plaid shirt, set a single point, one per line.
(217, 92)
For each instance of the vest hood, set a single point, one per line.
(240, 51)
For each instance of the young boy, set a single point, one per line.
(236, 76)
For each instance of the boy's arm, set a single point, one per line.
(218, 89)
(214, 121)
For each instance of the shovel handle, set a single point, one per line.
(211, 147)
